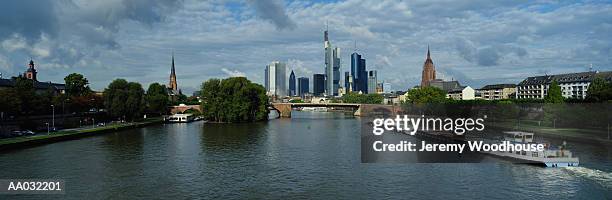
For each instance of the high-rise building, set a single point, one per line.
(332, 67)
(372, 82)
(387, 87)
(429, 71)
(348, 82)
(359, 73)
(318, 84)
(292, 91)
(302, 84)
(276, 75)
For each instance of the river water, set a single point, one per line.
(311, 155)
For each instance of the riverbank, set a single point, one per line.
(570, 134)
(27, 141)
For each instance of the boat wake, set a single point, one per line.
(601, 177)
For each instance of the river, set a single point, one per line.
(311, 155)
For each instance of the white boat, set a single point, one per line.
(315, 109)
(549, 157)
(180, 118)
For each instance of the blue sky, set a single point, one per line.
(476, 42)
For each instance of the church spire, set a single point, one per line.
(173, 85)
(428, 56)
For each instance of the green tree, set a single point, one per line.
(77, 85)
(157, 98)
(599, 90)
(426, 95)
(10, 103)
(115, 96)
(135, 103)
(234, 99)
(353, 97)
(554, 93)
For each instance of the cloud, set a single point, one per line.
(273, 11)
(487, 56)
(233, 73)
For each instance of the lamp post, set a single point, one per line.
(47, 128)
(53, 116)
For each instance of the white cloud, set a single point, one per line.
(233, 73)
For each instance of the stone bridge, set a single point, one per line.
(285, 109)
(182, 108)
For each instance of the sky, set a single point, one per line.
(475, 42)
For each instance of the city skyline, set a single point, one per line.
(473, 42)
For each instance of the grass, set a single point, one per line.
(59, 134)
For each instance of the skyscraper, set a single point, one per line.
(303, 88)
(372, 82)
(318, 84)
(292, 91)
(359, 73)
(348, 82)
(429, 71)
(332, 67)
(276, 76)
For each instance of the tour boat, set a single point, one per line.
(180, 118)
(549, 157)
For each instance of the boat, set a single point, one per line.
(315, 109)
(180, 118)
(549, 157)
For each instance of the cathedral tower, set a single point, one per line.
(429, 70)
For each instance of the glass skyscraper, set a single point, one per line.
(318, 84)
(359, 73)
(276, 77)
(292, 84)
(332, 67)
(302, 85)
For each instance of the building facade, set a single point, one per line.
(461, 93)
(276, 75)
(429, 71)
(318, 84)
(573, 85)
(332, 67)
(497, 91)
(372, 82)
(292, 91)
(348, 82)
(39, 87)
(359, 73)
(444, 85)
(302, 86)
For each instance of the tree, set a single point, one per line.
(115, 96)
(554, 93)
(135, 103)
(353, 97)
(599, 90)
(234, 99)
(77, 85)
(426, 95)
(157, 98)
(10, 103)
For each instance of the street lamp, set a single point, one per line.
(47, 128)
(53, 119)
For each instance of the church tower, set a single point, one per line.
(429, 70)
(31, 72)
(172, 85)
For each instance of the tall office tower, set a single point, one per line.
(302, 85)
(348, 82)
(276, 75)
(372, 82)
(359, 73)
(429, 71)
(332, 67)
(387, 87)
(318, 84)
(292, 91)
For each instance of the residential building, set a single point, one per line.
(429, 71)
(276, 75)
(359, 74)
(302, 86)
(372, 82)
(497, 91)
(318, 84)
(292, 91)
(573, 85)
(461, 93)
(444, 85)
